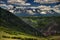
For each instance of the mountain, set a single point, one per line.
(13, 23)
(47, 25)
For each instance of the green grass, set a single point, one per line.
(15, 34)
(24, 37)
(11, 33)
(13, 28)
(41, 22)
(9, 36)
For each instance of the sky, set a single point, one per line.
(27, 0)
(31, 2)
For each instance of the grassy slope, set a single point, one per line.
(8, 36)
(11, 32)
(11, 25)
(12, 22)
(41, 22)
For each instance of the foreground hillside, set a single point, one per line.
(27, 28)
(12, 22)
(13, 25)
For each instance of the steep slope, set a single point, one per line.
(45, 24)
(13, 23)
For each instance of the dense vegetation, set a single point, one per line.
(12, 22)
(27, 28)
(43, 23)
(13, 25)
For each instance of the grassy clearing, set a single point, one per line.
(6, 36)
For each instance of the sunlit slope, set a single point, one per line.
(13, 23)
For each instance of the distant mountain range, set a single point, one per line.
(35, 4)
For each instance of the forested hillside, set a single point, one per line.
(28, 28)
(44, 24)
(14, 23)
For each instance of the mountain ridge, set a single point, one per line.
(12, 22)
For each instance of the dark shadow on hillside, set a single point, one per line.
(14, 23)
